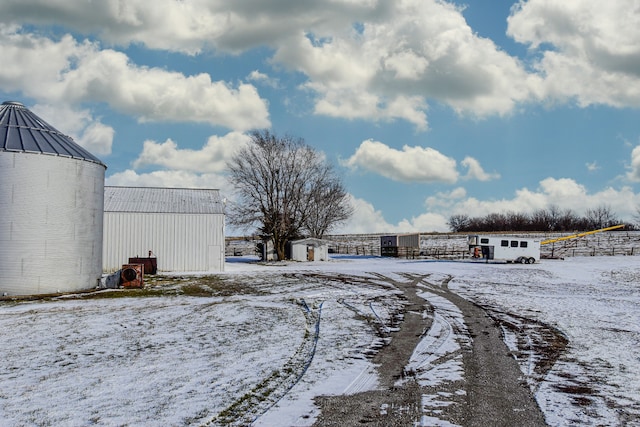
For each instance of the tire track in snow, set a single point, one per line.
(249, 407)
(387, 404)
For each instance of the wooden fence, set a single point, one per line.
(455, 246)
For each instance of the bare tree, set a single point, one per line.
(516, 221)
(568, 220)
(555, 217)
(601, 217)
(286, 189)
(459, 222)
(496, 222)
(550, 219)
(330, 205)
(636, 217)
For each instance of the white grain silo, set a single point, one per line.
(51, 208)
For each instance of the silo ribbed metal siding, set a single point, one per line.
(50, 224)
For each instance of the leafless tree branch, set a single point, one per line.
(286, 189)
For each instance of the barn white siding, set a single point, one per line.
(181, 240)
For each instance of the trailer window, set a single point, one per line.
(484, 240)
(514, 243)
(523, 244)
(504, 243)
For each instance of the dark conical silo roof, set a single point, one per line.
(23, 131)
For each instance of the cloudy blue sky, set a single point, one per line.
(427, 108)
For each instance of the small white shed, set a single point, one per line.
(182, 227)
(309, 249)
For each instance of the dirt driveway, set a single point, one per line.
(493, 392)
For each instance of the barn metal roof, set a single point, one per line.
(23, 131)
(162, 200)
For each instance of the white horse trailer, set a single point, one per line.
(504, 248)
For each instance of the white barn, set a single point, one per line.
(182, 227)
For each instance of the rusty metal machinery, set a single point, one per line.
(132, 276)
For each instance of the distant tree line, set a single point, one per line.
(551, 219)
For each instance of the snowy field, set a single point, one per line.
(284, 333)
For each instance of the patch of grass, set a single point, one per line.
(215, 286)
(249, 400)
(579, 393)
(574, 388)
(196, 290)
(154, 286)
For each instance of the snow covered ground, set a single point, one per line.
(293, 331)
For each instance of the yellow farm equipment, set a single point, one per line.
(586, 233)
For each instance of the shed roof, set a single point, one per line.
(311, 241)
(23, 131)
(163, 200)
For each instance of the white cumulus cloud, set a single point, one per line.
(97, 138)
(411, 164)
(565, 193)
(592, 166)
(634, 169)
(212, 157)
(365, 219)
(475, 171)
(161, 24)
(595, 54)
(377, 61)
(262, 78)
(413, 51)
(67, 71)
(86, 130)
(167, 178)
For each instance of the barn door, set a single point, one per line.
(310, 253)
(214, 258)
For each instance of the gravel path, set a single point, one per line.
(495, 392)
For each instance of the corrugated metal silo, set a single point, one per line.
(51, 208)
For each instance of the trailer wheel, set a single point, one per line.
(532, 260)
(521, 260)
